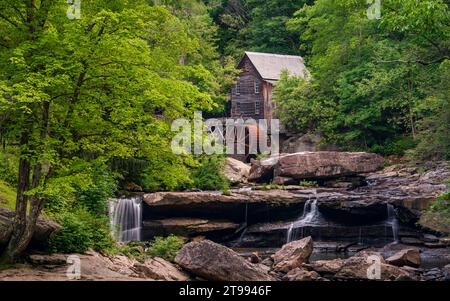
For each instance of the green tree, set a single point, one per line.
(299, 105)
(377, 75)
(102, 87)
(256, 25)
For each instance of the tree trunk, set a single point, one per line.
(23, 225)
(25, 231)
(20, 219)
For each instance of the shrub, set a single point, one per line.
(73, 237)
(397, 146)
(208, 175)
(81, 231)
(442, 204)
(166, 171)
(132, 249)
(166, 248)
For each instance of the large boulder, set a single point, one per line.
(326, 267)
(236, 171)
(322, 165)
(159, 269)
(409, 257)
(263, 170)
(44, 228)
(360, 266)
(212, 261)
(293, 254)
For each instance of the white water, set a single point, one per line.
(126, 218)
(392, 221)
(310, 216)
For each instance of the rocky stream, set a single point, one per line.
(304, 216)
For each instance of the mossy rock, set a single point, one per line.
(436, 221)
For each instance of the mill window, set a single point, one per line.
(257, 108)
(257, 87)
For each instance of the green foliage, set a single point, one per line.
(257, 25)
(166, 248)
(209, 174)
(267, 30)
(7, 196)
(132, 249)
(123, 62)
(396, 146)
(95, 196)
(299, 105)
(442, 204)
(377, 84)
(81, 231)
(437, 217)
(166, 171)
(77, 198)
(80, 184)
(76, 95)
(434, 128)
(8, 167)
(308, 183)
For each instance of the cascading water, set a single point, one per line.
(310, 216)
(392, 221)
(243, 227)
(126, 218)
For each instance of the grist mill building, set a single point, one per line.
(251, 97)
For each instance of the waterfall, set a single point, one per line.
(126, 218)
(289, 233)
(310, 216)
(243, 227)
(392, 221)
(241, 238)
(246, 214)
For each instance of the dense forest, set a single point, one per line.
(86, 105)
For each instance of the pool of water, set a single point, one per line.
(429, 258)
